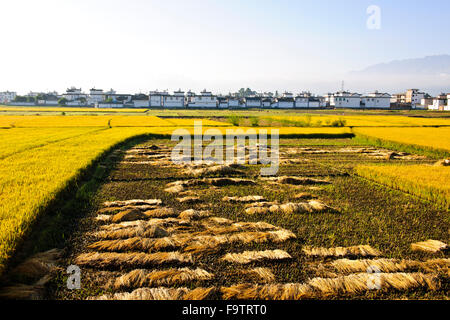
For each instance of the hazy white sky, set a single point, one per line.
(138, 45)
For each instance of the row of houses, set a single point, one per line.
(206, 99)
(412, 98)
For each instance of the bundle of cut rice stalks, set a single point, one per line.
(191, 241)
(312, 206)
(256, 256)
(134, 202)
(218, 169)
(361, 250)
(389, 265)
(110, 259)
(431, 246)
(260, 274)
(38, 265)
(166, 222)
(149, 278)
(246, 199)
(192, 214)
(357, 283)
(160, 294)
(141, 230)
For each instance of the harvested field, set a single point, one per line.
(311, 232)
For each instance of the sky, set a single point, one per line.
(142, 45)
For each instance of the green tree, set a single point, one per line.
(62, 101)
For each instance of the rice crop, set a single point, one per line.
(426, 181)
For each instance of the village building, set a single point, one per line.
(253, 102)
(440, 103)
(95, 96)
(140, 100)
(414, 97)
(75, 95)
(48, 99)
(302, 100)
(234, 102)
(222, 102)
(266, 102)
(287, 101)
(398, 98)
(205, 100)
(345, 99)
(156, 98)
(7, 96)
(425, 102)
(376, 100)
(109, 105)
(314, 103)
(189, 98)
(174, 101)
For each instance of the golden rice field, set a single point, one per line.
(30, 179)
(21, 139)
(436, 138)
(30, 121)
(426, 181)
(368, 120)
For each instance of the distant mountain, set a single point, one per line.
(430, 74)
(431, 65)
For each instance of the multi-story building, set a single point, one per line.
(157, 98)
(174, 101)
(95, 96)
(74, 94)
(302, 100)
(345, 99)
(205, 100)
(7, 96)
(414, 97)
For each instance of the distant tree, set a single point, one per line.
(31, 99)
(62, 101)
(20, 99)
(109, 100)
(242, 93)
(82, 100)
